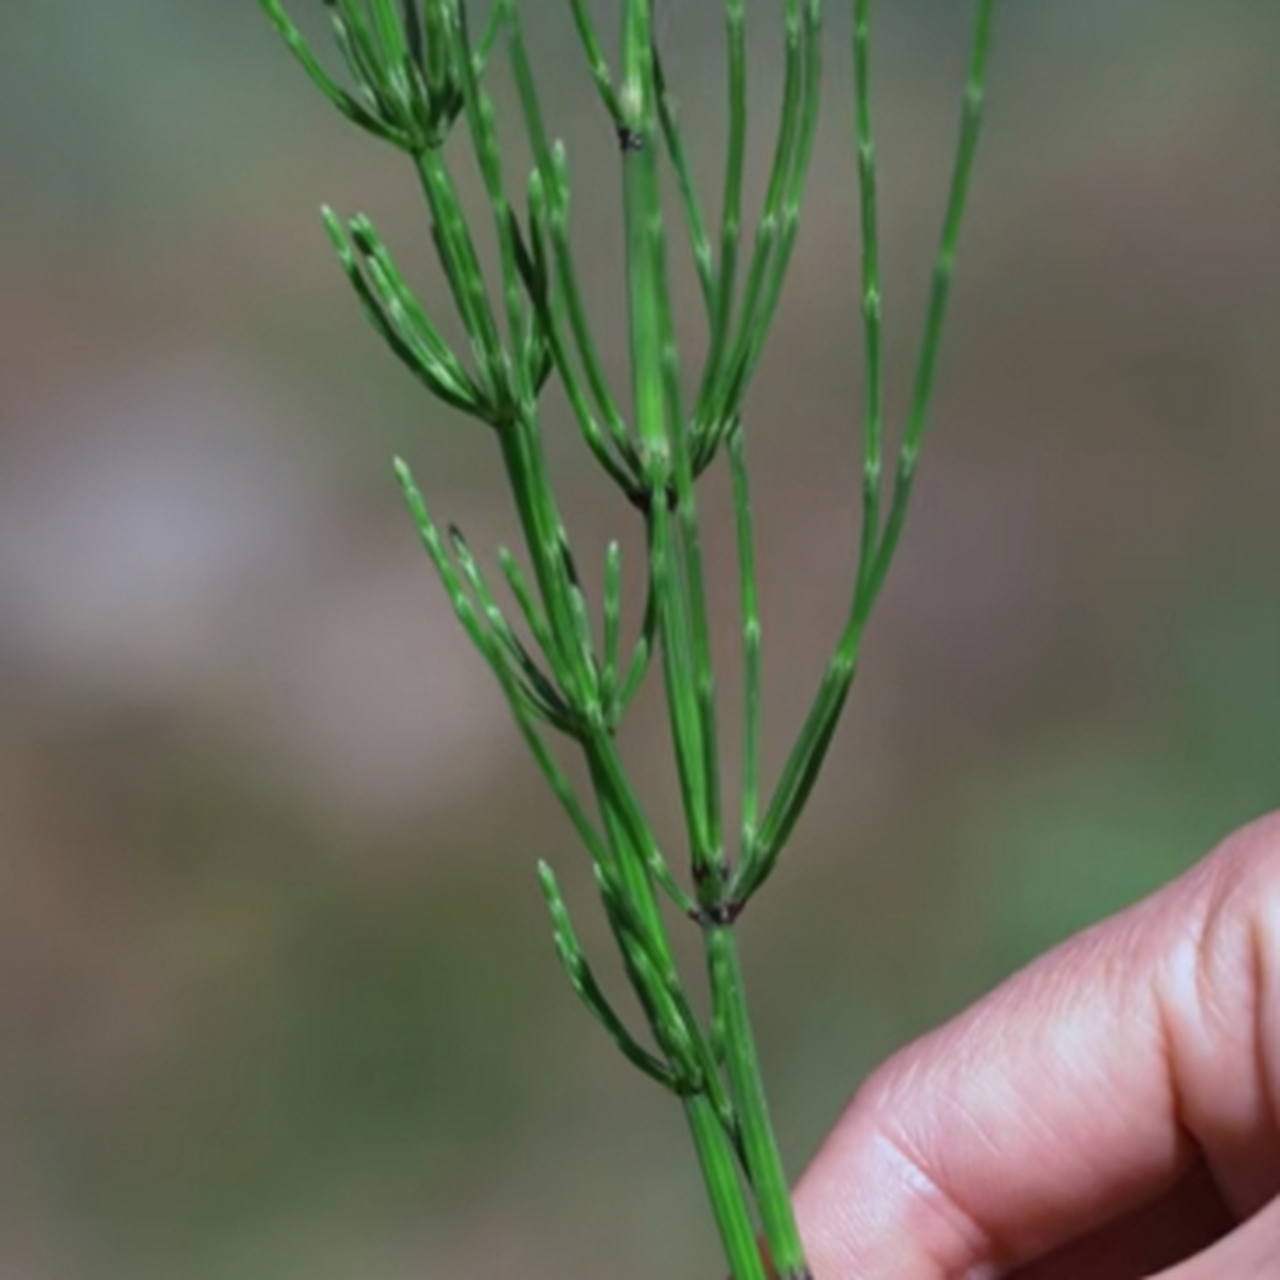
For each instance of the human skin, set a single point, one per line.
(1110, 1113)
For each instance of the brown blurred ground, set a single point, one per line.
(276, 996)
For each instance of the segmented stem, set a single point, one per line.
(414, 74)
(800, 772)
(975, 95)
(749, 592)
(872, 304)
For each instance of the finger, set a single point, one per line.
(1077, 1093)
(1252, 1252)
(1186, 1220)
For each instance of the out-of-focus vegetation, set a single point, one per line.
(276, 994)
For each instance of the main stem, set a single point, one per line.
(717, 1157)
(759, 1143)
(658, 459)
(729, 1201)
(657, 422)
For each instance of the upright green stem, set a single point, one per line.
(706, 1110)
(544, 538)
(975, 95)
(681, 605)
(717, 1158)
(461, 265)
(677, 566)
(416, 73)
(731, 200)
(872, 305)
(807, 756)
(749, 592)
(764, 1162)
(724, 1190)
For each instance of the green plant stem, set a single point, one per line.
(872, 305)
(676, 569)
(731, 200)
(680, 600)
(940, 294)
(803, 765)
(749, 592)
(543, 532)
(742, 1064)
(724, 1189)
(461, 264)
(615, 790)
(705, 1110)
(553, 174)
(416, 75)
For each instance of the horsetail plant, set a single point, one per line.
(415, 77)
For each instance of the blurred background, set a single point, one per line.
(277, 997)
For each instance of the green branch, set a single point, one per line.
(410, 73)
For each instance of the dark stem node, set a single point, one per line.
(629, 139)
(722, 915)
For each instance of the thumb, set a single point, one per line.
(1250, 1253)
(1080, 1091)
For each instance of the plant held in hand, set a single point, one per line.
(415, 76)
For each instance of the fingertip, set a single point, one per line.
(868, 1207)
(1063, 1099)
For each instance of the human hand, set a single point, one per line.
(1111, 1111)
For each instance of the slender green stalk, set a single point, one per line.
(520, 706)
(975, 96)
(596, 60)
(786, 215)
(734, 176)
(614, 452)
(719, 1171)
(484, 140)
(541, 525)
(641, 656)
(872, 303)
(676, 562)
(679, 576)
(415, 78)
(645, 279)
(805, 761)
(716, 403)
(611, 619)
(583, 979)
(764, 1163)
(749, 591)
(614, 787)
(461, 263)
(695, 220)
(552, 173)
